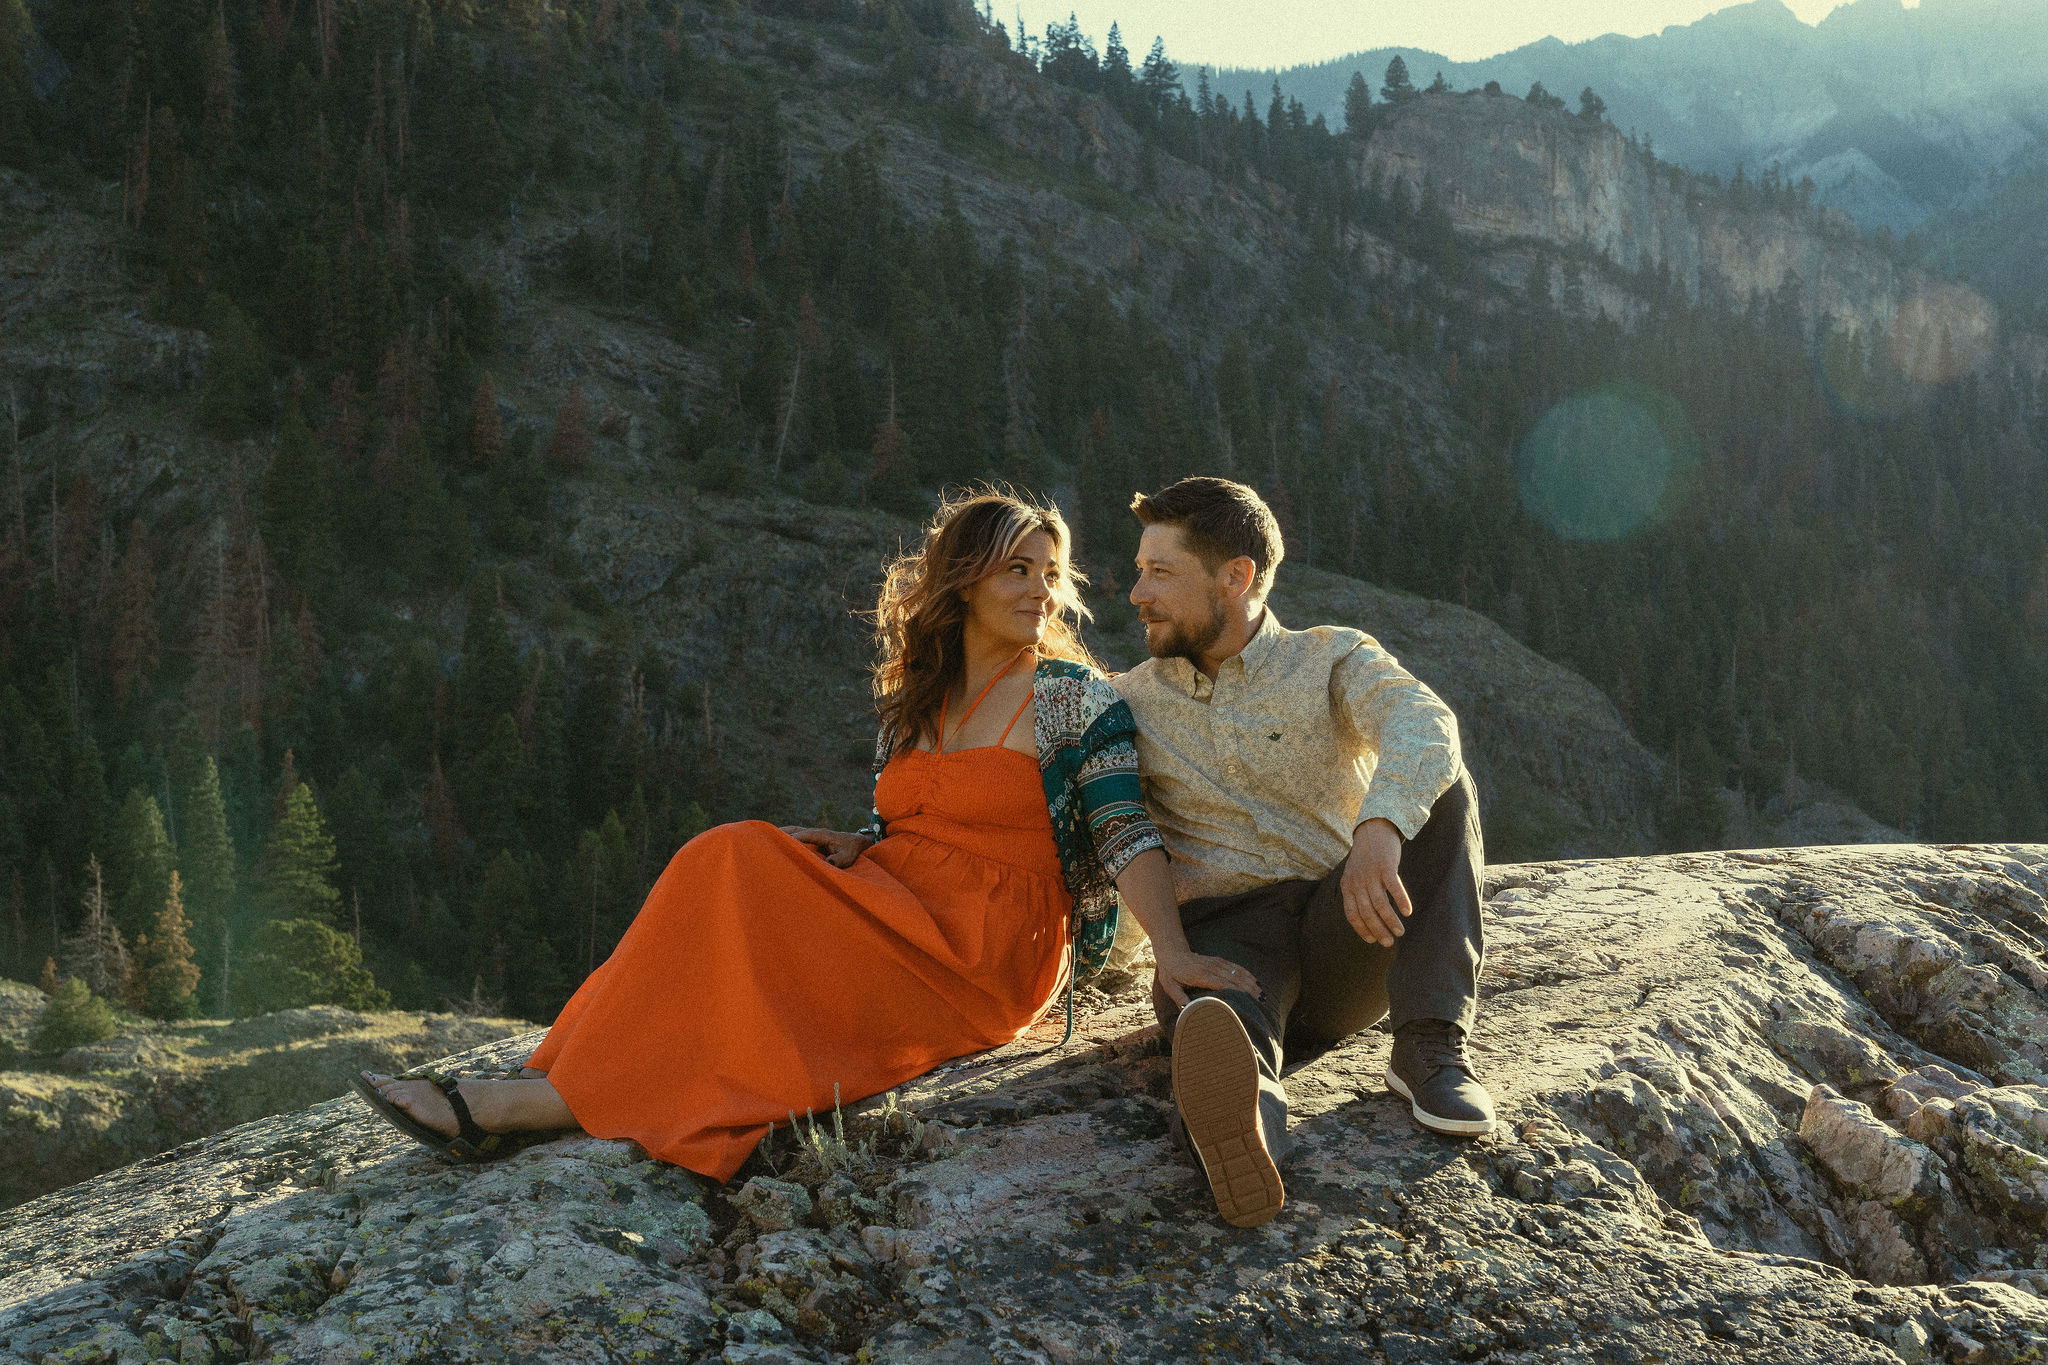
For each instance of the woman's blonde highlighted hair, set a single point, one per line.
(921, 617)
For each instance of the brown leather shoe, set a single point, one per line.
(1216, 1089)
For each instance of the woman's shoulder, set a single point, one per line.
(1081, 690)
(1080, 678)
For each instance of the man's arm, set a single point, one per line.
(1411, 739)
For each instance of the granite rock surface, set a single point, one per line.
(1756, 1107)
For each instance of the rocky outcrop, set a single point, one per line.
(1509, 172)
(1736, 1127)
(151, 1088)
(71, 339)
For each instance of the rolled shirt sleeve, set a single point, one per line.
(1408, 735)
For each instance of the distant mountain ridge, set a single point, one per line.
(1900, 116)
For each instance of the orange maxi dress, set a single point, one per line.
(757, 975)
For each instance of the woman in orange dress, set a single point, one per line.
(772, 969)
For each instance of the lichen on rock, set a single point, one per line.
(1729, 1134)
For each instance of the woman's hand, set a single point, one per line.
(1182, 970)
(834, 847)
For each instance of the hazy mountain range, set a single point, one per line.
(1928, 119)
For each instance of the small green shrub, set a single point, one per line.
(73, 1017)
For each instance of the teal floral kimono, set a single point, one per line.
(1089, 764)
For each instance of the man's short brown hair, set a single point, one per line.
(1220, 520)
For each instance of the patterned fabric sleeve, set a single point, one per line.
(1112, 802)
(873, 829)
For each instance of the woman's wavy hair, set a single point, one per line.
(921, 617)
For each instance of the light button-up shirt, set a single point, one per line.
(1263, 773)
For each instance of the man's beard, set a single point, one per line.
(1187, 642)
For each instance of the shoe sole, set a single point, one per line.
(1435, 1122)
(1216, 1087)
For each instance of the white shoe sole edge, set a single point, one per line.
(1433, 1122)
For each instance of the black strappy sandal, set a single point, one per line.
(470, 1144)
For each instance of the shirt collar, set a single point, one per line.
(1260, 647)
(1256, 650)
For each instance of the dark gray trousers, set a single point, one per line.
(1318, 977)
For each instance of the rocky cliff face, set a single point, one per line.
(1507, 171)
(1757, 1107)
(1894, 112)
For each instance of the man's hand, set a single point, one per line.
(834, 847)
(1179, 971)
(1374, 900)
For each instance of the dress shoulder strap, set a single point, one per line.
(1022, 707)
(939, 741)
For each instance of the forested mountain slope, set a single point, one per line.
(492, 421)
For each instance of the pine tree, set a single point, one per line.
(165, 977)
(217, 90)
(498, 787)
(287, 783)
(1398, 85)
(569, 445)
(296, 962)
(486, 433)
(96, 954)
(235, 397)
(1591, 107)
(89, 808)
(502, 912)
(1159, 78)
(140, 865)
(545, 728)
(1357, 106)
(368, 859)
(297, 508)
(135, 640)
(1116, 65)
(174, 216)
(444, 823)
(487, 685)
(206, 855)
(298, 863)
(17, 96)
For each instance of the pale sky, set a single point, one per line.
(1288, 32)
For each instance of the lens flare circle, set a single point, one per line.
(1604, 464)
(1858, 377)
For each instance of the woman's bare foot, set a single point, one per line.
(497, 1106)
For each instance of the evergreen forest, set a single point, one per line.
(305, 740)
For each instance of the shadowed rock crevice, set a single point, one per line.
(1730, 1133)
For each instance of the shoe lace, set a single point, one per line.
(1435, 1044)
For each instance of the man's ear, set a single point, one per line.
(1239, 574)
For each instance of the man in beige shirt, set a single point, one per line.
(1324, 838)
